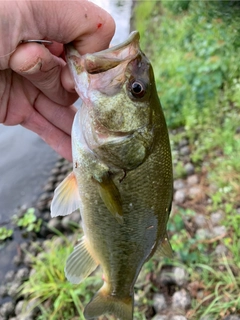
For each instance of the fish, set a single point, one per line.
(122, 179)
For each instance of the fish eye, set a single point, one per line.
(137, 89)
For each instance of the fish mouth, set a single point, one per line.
(103, 134)
(102, 61)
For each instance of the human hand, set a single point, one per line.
(32, 92)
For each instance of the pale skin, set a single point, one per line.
(36, 88)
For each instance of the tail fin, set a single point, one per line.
(103, 303)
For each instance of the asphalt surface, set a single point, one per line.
(25, 163)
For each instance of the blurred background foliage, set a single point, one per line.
(194, 48)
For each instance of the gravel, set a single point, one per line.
(189, 168)
(180, 196)
(181, 300)
(7, 309)
(159, 302)
(217, 217)
(200, 220)
(219, 231)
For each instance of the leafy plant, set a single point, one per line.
(49, 285)
(5, 233)
(29, 221)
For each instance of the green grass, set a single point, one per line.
(49, 285)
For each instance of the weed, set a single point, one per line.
(5, 233)
(29, 221)
(49, 286)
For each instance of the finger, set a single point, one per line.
(90, 26)
(58, 139)
(60, 116)
(36, 63)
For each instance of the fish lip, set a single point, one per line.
(132, 38)
(101, 132)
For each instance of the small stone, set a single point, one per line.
(180, 276)
(207, 317)
(55, 171)
(17, 260)
(60, 178)
(181, 300)
(3, 291)
(14, 289)
(41, 205)
(25, 317)
(178, 184)
(189, 168)
(75, 216)
(7, 309)
(203, 233)
(9, 275)
(46, 216)
(24, 246)
(58, 242)
(221, 249)
(232, 317)
(200, 220)
(32, 307)
(32, 272)
(19, 307)
(160, 317)
(159, 302)
(66, 222)
(48, 187)
(183, 142)
(66, 168)
(34, 248)
(184, 151)
(22, 274)
(55, 223)
(195, 191)
(51, 180)
(192, 180)
(180, 196)
(27, 260)
(178, 317)
(44, 196)
(44, 231)
(219, 231)
(216, 217)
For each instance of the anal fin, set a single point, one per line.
(80, 263)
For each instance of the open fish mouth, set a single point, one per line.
(104, 60)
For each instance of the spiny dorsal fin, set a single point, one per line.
(111, 197)
(66, 197)
(80, 263)
(164, 248)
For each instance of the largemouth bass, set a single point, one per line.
(122, 173)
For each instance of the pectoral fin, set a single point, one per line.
(164, 248)
(80, 263)
(111, 197)
(66, 197)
